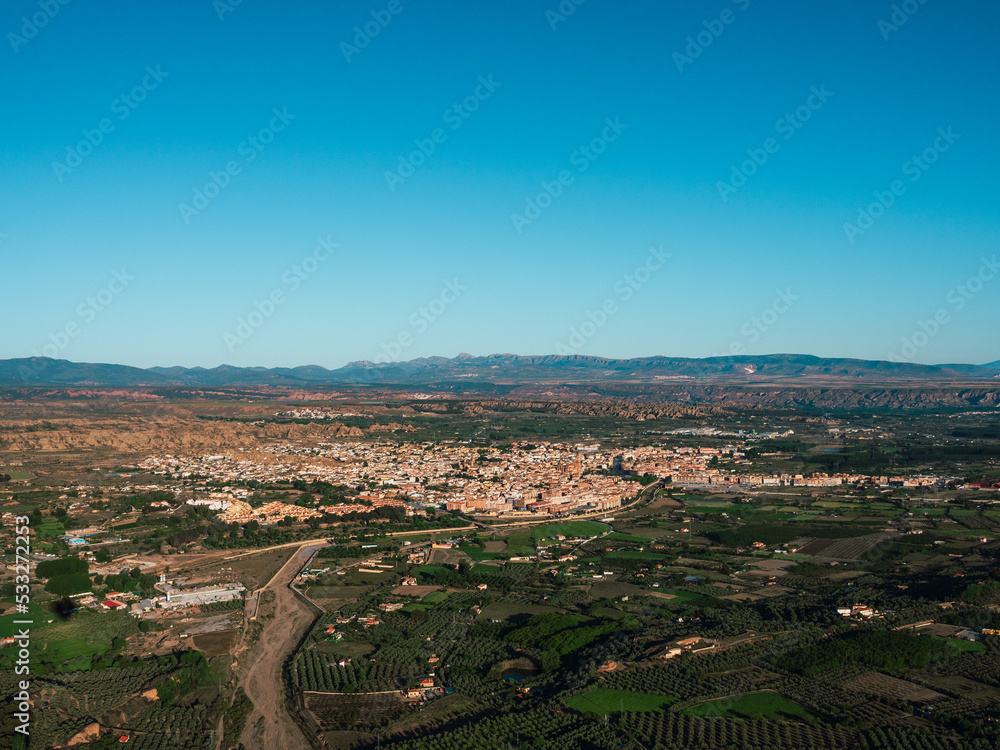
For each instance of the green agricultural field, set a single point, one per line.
(71, 648)
(19, 476)
(81, 663)
(95, 629)
(957, 646)
(604, 701)
(435, 596)
(35, 613)
(647, 534)
(521, 542)
(753, 706)
(50, 528)
(570, 529)
(619, 537)
(682, 596)
(70, 645)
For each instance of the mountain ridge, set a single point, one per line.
(499, 367)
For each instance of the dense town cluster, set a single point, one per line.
(552, 478)
(525, 479)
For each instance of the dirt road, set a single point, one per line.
(269, 725)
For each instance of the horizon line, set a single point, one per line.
(466, 355)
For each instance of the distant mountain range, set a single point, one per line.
(496, 368)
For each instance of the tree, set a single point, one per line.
(68, 584)
(51, 568)
(551, 661)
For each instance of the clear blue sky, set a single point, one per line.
(686, 117)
